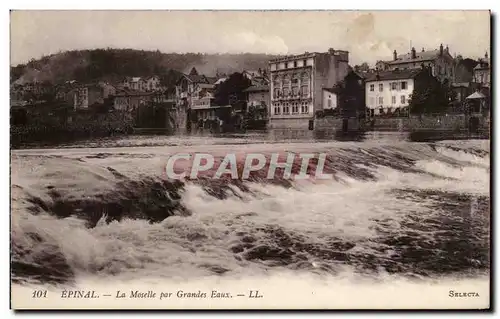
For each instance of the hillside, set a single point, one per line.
(113, 64)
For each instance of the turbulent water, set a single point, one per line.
(394, 209)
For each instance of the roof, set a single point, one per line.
(136, 79)
(393, 75)
(476, 95)
(196, 78)
(211, 79)
(257, 88)
(420, 57)
(133, 93)
(219, 81)
(206, 86)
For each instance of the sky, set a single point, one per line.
(367, 35)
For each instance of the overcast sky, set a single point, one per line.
(367, 35)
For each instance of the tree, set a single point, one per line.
(364, 67)
(231, 90)
(429, 95)
(350, 95)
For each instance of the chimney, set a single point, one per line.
(447, 49)
(486, 55)
(395, 55)
(260, 71)
(331, 51)
(441, 49)
(413, 53)
(423, 50)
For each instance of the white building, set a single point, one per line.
(390, 91)
(297, 82)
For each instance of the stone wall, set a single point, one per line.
(289, 123)
(336, 124)
(454, 122)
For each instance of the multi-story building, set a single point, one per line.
(390, 91)
(196, 93)
(440, 61)
(258, 96)
(297, 82)
(135, 83)
(130, 101)
(259, 77)
(482, 72)
(90, 94)
(152, 83)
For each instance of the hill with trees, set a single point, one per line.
(114, 64)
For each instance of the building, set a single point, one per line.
(130, 101)
(390, 91)
(259, 77)
(88, 95)
(135, 83)
(152, 83)
(258, 96)
(297, 84)
(482, 72)
(440, 61)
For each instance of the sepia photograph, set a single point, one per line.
(250, 159)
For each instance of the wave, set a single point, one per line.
(415, 209)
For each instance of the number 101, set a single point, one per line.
(40, 294)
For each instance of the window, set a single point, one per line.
(295, 81)
(380, 87)
(403, 99)
(305, 62)
(394, 86)
(372, 87)
(295, 91)
(295, 108)
(304, 108)
(286, 92)
(329, 103)
(380, 100)
(286, 109)
(294, 64)
(276, 109)
(404, 85)
(304, 91)
(393, 100)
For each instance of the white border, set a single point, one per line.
(186, 4)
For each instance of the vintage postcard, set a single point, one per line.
(250, 159)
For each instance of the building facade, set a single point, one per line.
(152, 83)
(389, 91)
(297, 82)
(258, 96)
(130, 101)
(482, 72)
(440, 61)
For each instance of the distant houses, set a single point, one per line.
(289, 92)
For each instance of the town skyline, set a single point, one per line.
(369, 36)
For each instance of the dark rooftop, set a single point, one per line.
(257, 88)
(393, 75)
